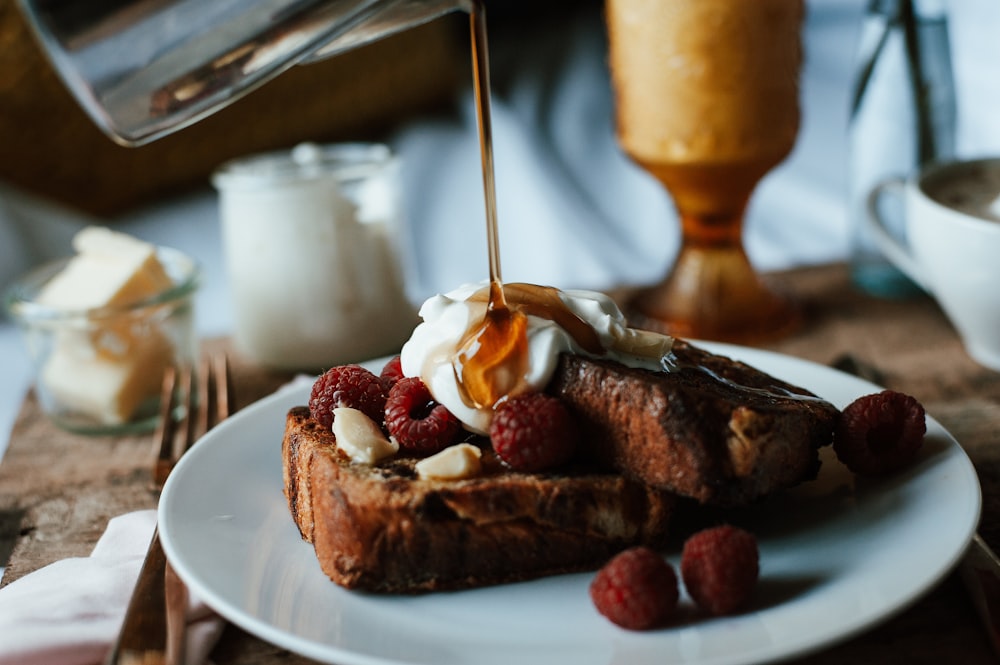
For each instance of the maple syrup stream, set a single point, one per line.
(492, 357)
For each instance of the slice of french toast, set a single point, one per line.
(713, 429)
(381, 528)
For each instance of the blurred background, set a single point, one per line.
(574, 212)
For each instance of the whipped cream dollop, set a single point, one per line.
(431, 350)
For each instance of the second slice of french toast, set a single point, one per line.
(712, 428)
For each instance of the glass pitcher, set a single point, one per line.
(144, 68)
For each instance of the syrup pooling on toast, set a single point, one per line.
(674, 362)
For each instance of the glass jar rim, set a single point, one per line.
(19, 299)
(306, 161)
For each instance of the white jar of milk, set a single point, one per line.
(309, 239)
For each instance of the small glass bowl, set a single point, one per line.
(100, 370)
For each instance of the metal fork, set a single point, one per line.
(153, 631)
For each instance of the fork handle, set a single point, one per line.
(176, 595)
(144, 633)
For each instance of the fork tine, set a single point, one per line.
(208, 399)
(213, 397)
(189, 419)
(224, 399)
(166, 428)
(204, 398)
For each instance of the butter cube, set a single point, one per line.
(103, 365)
(108, 388)
(110, 268)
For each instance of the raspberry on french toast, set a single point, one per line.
(713, 429)
(381, 528)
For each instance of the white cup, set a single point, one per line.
(952, 244)
(310, 242)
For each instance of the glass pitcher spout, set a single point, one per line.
(145, 68)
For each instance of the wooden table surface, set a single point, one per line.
(58, 491)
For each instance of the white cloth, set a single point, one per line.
(70, 612)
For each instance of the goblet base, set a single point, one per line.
(714, 294)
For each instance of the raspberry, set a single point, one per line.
(350, 386)
(533, 432)
(637, 589)
(416, 421)
(880, 433)
(719, 567)
(391, 373)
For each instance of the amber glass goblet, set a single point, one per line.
(706, 95)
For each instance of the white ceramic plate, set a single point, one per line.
(837, 556)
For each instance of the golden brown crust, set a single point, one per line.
(713, 429)
(380, 528)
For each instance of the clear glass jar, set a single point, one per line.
(311, 245)
(100, 370)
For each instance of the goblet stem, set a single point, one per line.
(706, 100)
(712, 291)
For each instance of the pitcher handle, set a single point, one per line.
(897, 252)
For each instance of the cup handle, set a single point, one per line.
(898, 253)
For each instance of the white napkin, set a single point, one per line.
(69, 612)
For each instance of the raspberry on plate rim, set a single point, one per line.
(880, 433)
(719, 567)
(636, 589)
